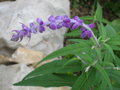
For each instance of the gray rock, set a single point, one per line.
(14, 73)
(26, 11)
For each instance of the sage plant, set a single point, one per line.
(91, 62)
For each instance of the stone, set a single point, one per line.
(4, 49)
(26, 11)
(27, 56)
(4, 59)
(15, 73)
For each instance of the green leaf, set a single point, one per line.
(87, 18)
(116, 25)
(82, 41)
(105, 21)
(85, 81)
(115, 75)
(102, 86)
(107, 56)
(115, 47)
(114, 40)
(70, 49)
(110, 31)
(57, 66)
(86, 57)
(98, 13)
(49, 80)
(117, 61)
(102, 31)
(110, 50)
(104, 75)
(92, 18)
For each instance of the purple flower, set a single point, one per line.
(86, 33)
(26, 31)
(19, 35)
(52, 23)
(15, 37)
(66, 22)
(76, 22)
(41, 26)
(91, 25)
(33, 28)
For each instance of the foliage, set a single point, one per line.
(89, 66)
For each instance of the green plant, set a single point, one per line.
(93, 64)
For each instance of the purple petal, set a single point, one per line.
(76, 18)
(22, 33)
(32, 24)
(28, 35)
(84, 34)
(83, 29)
(15, 37)
(60, 25)
(89, 34)
(59, 17)
(65, 16)
(51, 18)
(67, 25)
(41, 29)
(91, 25)
(24, 27)
(53, 26)
(39, 20)
(75, 26)
(80, 21)
(66, 20)
(33, 28)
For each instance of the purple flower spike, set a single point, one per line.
(53, 23)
